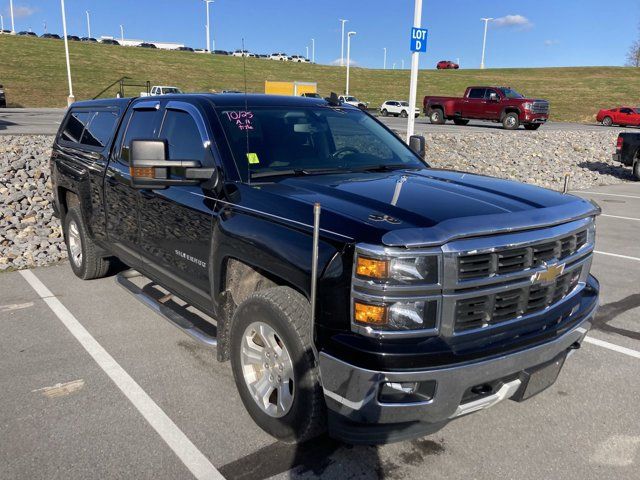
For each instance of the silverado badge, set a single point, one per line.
(549, 275)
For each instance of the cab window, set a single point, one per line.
(142, 126)
(476, 93)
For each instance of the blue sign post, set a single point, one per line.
(419, 40)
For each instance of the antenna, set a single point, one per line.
(246, 109)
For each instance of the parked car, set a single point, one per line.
(147, 45)
(447, 65)
(27, 34)
(54, 36)
(262, 55)
(395, 317)
(351, 100)
(5, 31)
(494, 104)
(88, 39)
(109, 41)
(3, 98)
(623, 116)
(220, 52)
(397, 108)
(73, 38)
(283, 57)
(240, 53)
(628, 151)
(185, 49)
(161, 90)
(297, 58)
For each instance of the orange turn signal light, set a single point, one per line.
(375, 315)
(142, 172)
(372, 268)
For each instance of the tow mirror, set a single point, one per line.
(418, 144)
(150, 167)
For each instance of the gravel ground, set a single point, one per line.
(31, 236)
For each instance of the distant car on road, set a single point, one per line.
(27, 34)
(3, 99)
(147, 45)
(73, 38)
(160, 90)
(447, 65)
(5, 31)
(109, 41)
(240, 53)
(88, 39)
(351, 100)
(397, 108)
(298, 59)
(283, 57)
(623, 116)
(220, 52)
(185, 49)
(494, 104)
(54, 36)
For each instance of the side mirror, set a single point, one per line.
(493, 97)
(150, 168)
(418, 144)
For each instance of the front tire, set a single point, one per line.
(511, 121)
(607, 121)
(83, 254)
(436, 116)
(404, 114)
(274, 367)
(636, 170)
(385, 113)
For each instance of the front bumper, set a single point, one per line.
(358, 416)
(534, 118)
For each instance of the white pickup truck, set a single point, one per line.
(351, 100)
(160, 90)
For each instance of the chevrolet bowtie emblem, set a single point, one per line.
(549, 275)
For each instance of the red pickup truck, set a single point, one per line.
(496, 104)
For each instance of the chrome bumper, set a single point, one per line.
(352, 392)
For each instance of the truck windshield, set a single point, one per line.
(171, 90)
(507, 92)
(277, 141)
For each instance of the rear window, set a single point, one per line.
(89, 128)
(74, 127)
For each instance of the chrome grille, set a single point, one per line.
(540, 107)
(496, 308)
(485, 265)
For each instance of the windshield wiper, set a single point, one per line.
(387, 167)
(298, 172)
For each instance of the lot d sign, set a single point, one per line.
(419, 40)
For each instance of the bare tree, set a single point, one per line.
(633, 56)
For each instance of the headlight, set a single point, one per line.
(419, 269)
(410, 315)
(527, 105)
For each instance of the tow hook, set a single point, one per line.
(572, 348)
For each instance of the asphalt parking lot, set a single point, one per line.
(45, 121)
(94, 385)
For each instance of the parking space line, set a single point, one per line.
(187, 452)
(606, 194)
(613, 346)
(626, 257)
(619, 217)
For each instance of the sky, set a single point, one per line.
(526, 33)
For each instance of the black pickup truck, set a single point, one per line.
(353, 287)
(628, 151)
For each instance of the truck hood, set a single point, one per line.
(423, 207)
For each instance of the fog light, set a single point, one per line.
(407, 392)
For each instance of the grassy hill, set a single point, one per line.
(34, 75)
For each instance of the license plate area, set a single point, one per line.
(539, 378)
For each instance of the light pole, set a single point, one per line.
(349, 35)
(88, 24)
(307, 47)
(402, 63)
(13, 26)
(70, 98)
(121, 33)
(484, 39)
(208, 27)
(313, 50)
(393, 67)
(2, 23)
(342, 43)
(384, 59)
(413, 84)
(44, 25)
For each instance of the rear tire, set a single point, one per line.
(84, 258)
(607, 121)
(460, 121)
(437, 116)
(274, 366)
(404, 114)
(511, 121)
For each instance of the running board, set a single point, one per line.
(163, 307)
